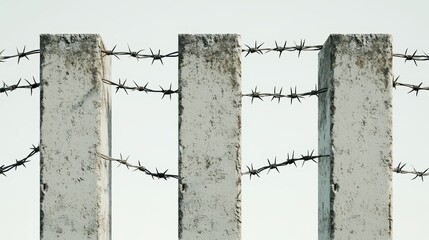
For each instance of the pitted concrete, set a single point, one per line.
(355, 128)
(75, 128)
(209, 137)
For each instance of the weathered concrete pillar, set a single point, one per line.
(209, 137)
(74, 128)
(355, 128)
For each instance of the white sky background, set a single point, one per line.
(275, 206)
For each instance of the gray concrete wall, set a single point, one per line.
(355, 128)
(209, 137)
(74, 128)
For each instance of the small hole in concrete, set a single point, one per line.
(184, 187)
(336, 187)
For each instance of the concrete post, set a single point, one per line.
(75, 127)
(355, 128)
(209, 137)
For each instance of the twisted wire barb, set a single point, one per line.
(254, 94)
(257, 48)
(278, 95)
(289, 160)
(12, 87)
(414, 88)
(140, 167)
(280, 48)
(121, 85)
(251, 171)
(18, 163)
(421, 174)
(19, 54)
(412, 57)
(155, 56)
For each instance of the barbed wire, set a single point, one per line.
(18, 163)
(251, 170)
(13, 87)
(421, 174)
(138, 54)
(19, 55)
(280, 48)
(309, 157)
(278, 95)
(275, 166)
(121, 85)
(414, 88)
(257, 48)
(254, 93)
(412, 57)
(140, 167)
(168, 92)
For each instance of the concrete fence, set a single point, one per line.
(354, 129)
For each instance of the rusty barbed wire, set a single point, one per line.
(421, 174)
(19, 54)
(275, 166)
(414, 88)
(257, 48)
(278, 95)
(140, 167)
(155, 56)
(13, 87)
(18, 163)
(412, 57)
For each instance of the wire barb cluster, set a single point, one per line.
(412, 57)
(121, 85)
(140, 167)
(18, 163)
(12, 87)
(19, 54)
(155, 56)
(414, 88)
(399, 169)
(278, 95)
(281, 48)
(289, 160)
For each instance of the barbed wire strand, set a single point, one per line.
(289, 161)
(257, 48)
(251, 171)
(412, 57)
(140, 167)
(278, 95)
(155, 56)
(121, 85)
(254, 93)
(13, 87)
(18, 163)
(421, 174)
(168, 92)
(280, 48)
(414, 88)
(19, 54)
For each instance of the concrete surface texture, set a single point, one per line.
(209, 137)
(355, 128)
(74, 129)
